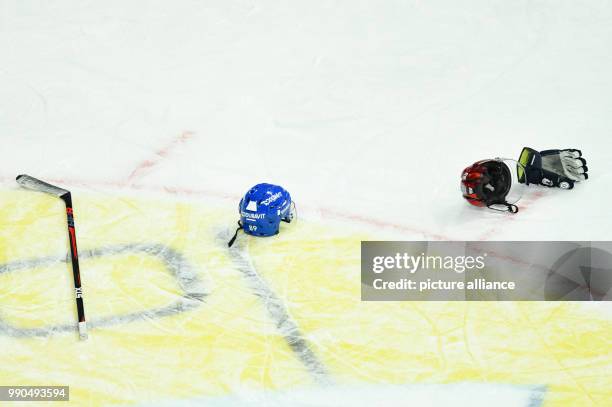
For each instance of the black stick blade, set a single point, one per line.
(34, 184)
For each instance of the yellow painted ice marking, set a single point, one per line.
(230, 341)
(279, 314)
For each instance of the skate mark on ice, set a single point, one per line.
(145, 166)
(193, 291)
(280, 315)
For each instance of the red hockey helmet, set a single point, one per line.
(488, 183)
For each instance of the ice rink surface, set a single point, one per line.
(160, 115)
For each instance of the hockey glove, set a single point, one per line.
(552, 168)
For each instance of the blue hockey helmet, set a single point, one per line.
(263, 208)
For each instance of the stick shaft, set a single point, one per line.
(76, 271)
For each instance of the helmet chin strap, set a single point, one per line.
(509, 207)
(233, 239)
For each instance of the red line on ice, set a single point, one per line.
(382, 224)
(325, 212)
(145, 166)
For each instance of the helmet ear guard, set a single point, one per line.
(292, 214)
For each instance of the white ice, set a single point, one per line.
(366, 111)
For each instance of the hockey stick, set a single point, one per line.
(37, 185)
